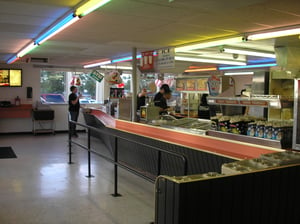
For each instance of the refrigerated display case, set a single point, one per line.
(296, 127)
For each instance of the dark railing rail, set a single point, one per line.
(115, 160)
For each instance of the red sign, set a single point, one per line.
(147, 60)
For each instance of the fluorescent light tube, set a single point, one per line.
(200, 69)
(205, 60)
(12, 60)
(265, 60)
(116, 67)
(67, 21)
(238, 73)
(125, 59)
(249, 52)
(90, 6)
(248, 66)
(97, 64)
(273, 34)
(210, 44)
(26, 50)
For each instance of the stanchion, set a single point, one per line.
(116, 194)
(158, 162)
(70, 143)
(89, 154)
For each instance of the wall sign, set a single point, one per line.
(166, 58)
(147, 62)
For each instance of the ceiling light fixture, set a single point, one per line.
(97, 64)
(67, 21)
(260, 61)
(249, 52)
(116, 67)
(210, 44)
(201, 69)
(205, 60)
(90, 6)
(125, 59)
(27, 49)
(12, 59)
(248, 66)
(238, 73)
(273, 34)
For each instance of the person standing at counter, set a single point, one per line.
(74, 107)
(163, 101)
(141, 98)
(203, 111)
(158, 96)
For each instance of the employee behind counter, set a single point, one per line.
(162, 103)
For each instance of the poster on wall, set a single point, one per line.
(180, 84)
(202, 85)
(214, 85)
(147, 61)
(190, 84)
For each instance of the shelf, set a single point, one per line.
(22, 111)
(271, 101)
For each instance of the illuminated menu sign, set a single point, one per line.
(10, 77)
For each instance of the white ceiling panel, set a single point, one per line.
(113, 30)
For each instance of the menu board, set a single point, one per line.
(15, 78)
(4, 78)
(202, 85)
(10, 77)
(180, 84)
(191, 84)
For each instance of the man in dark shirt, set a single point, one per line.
(163, 101)
(141, 98)
(74, 107)
(158, 96)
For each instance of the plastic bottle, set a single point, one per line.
(17, 101)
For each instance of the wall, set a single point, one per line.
(31, 77)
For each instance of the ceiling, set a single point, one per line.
(114, 29)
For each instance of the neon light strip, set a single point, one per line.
(116, 67)
(280, 33)
(26, 50)
(267, 60)
(209, 60)
(12, 60)
(249, 52)
(248, 66)
(69, 20)
(200, 70)
(90, 6)
(238, 73)
(97, 64)
(125, 59)
(210, 44)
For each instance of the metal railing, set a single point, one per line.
(115, 160)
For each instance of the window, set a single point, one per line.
(55, 86)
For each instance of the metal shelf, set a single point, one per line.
(268, 101)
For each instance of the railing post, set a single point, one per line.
(89, 154)
(116, 194)
(158, 162)
(70, 141)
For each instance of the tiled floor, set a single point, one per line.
(40, 187)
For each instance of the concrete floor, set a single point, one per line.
(40, 187)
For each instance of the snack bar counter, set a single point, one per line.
(214, 145)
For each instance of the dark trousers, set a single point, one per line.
(74, 117)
